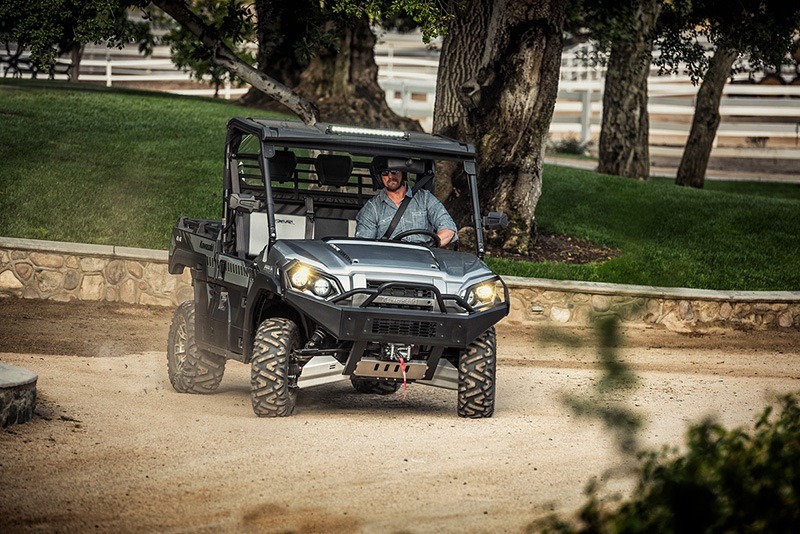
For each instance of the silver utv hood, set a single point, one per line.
(354, 262)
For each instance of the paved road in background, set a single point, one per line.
(790, 176)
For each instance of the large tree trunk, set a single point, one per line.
(459, 60)
(507, 102)
(624, 137)
(280, 27)
(692, 170)
(344, 84)
(225, 57)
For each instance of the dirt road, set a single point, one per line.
(115, 449)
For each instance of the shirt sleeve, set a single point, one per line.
(367, 220)
(438, 215)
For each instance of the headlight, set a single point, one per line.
(299, 277)
(322, 288)
(307, 280)
(482, 294)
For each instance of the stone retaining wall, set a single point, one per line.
(69, 271)
(678, 309)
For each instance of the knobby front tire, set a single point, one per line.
(275, 341)
(476, 377)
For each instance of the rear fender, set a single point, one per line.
(192, 248)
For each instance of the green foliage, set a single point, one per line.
(605, 22)
(727, 481)
(679, 42)
(233, 21)
(608, 21)
(433, 17)
(51, 27)
(761, 31)
(569, 145)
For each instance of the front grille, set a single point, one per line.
(401, 291)
(401, 297)
(402, 327)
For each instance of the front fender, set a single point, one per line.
(264, 294)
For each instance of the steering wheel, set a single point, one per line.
(433, 237)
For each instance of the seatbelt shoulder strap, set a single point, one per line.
(396, 219)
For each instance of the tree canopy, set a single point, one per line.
(51, 27)
(761, 31)
(706, 38)
(232, 20)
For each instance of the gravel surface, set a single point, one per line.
(114, 448)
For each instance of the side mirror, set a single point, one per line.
(243, 203)
(496, 220)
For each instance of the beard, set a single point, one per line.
(393, 184)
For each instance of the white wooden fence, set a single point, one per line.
(758, 110)
(750, 112)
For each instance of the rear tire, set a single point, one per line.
(275, 341)
(476, 377)
(374, 387)
(190, 369)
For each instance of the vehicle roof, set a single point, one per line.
(320, 136)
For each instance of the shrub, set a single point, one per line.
(570, 145)
(727, 481)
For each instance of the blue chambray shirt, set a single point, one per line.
(424, 212)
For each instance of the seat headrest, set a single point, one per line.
(282, 165)
(333, 170)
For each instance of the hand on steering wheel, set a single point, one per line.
(433, 241)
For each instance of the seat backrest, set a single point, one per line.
(252, 234)
(329, 227)
(282, 165)
(333, 170)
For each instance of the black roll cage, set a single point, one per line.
(293, 134)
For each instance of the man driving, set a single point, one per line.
(422, 211)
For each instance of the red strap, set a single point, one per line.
(405, 382)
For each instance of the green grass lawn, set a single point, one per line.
(110, 167)
(671, 236)
(119, 167)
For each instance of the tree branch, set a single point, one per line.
(227, 59)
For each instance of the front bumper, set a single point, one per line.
(387, 325)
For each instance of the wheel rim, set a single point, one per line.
(179, 344)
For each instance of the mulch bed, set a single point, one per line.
(560, 248)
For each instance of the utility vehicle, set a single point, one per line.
(282, 284)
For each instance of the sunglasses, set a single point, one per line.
(389, 171)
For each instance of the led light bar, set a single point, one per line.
(349, 130)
